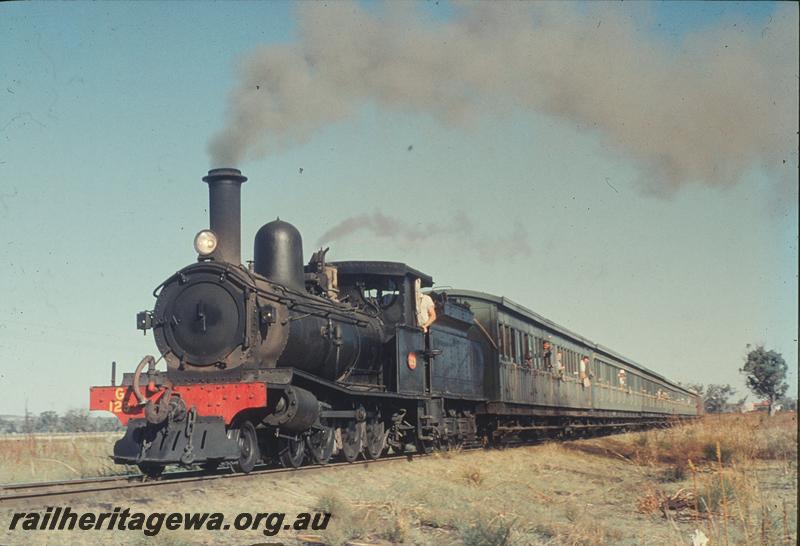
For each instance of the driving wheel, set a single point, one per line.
(321, 444)
(351, 441)
(292, 452)
(375, 438)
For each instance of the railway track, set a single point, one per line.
(76, 488)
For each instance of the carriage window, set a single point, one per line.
(500, 344)
(526, 350)
(513, 344)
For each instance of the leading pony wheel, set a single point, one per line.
(248, 448)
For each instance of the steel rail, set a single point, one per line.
(84, 486)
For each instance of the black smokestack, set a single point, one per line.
(225, 214)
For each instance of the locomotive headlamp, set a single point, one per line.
(205, 242)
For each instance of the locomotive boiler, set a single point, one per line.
(285, 361)
(216, 317)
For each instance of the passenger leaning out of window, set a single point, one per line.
(426, 309)
(546, 354)
(528, 361)
(585, 373)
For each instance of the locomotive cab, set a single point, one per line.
(386, 290)
(383, 288)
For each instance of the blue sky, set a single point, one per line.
(106, 113)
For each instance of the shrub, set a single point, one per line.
(486, 532)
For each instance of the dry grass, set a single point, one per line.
(742, 439)
(730, 477)
(611, 490)
(721, 468)
(57, 457)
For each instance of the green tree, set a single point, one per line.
(788, 403)
(106, 424)
(766, 374)
(696, 387)
(7, 427)
(76, 420)
(716, 397)
(47, 422)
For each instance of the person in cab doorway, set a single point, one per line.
(426, 309)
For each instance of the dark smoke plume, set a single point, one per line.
(460, 228)
(707, 109)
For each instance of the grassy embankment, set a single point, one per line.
(34, 458)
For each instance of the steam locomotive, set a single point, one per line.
(292, 362)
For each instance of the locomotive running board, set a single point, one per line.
(308, 378)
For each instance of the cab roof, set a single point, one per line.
(386, 269)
